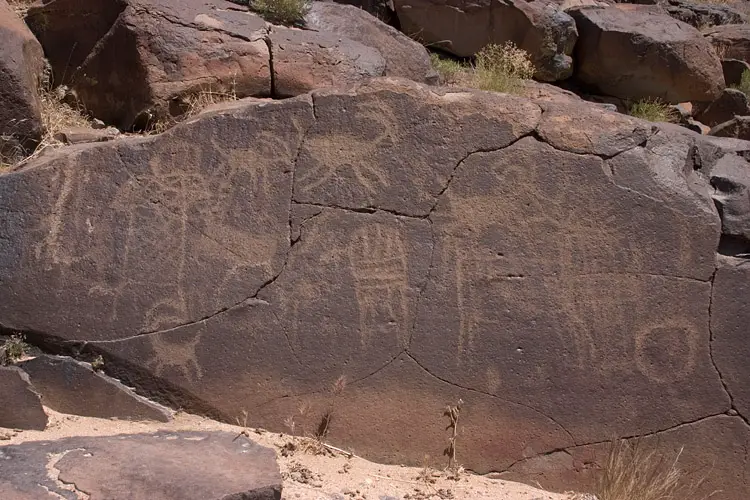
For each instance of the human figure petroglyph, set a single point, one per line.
(180, 356)
(485, 240)
(378, 262)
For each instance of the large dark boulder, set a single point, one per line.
(635, 52)
(73, 387)
(462, 28)
(21, 73)
(21, 408)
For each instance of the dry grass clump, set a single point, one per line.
(201, 100)
(20, 7)
(12, 349)
(744, 85)
(288, 12)
(449, 70)
(633, 472)
(502, 68)
(57, 115)
(652, 110)
(498, 68)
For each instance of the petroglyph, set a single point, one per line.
(180, 356)
(348, 154)
(378, 262)
(666, 365)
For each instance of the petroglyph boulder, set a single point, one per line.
(380, 252)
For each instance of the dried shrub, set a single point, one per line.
(502, 68)
(287, 12)
(652, 110)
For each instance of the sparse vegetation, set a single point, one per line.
(744, 85)
(502, 68)
(287, 12)
(12, 349)
(20, 7)
(498, 68)
(449, 70)
(57, 115)
(453, 412)
(199, 101)
(632, 471)
(652, 110)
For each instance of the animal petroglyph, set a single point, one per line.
(348, 153)
(180, 356)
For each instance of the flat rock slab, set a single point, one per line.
(21, 407)
(70, 386)
(184, 466)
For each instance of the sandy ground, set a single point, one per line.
(307, 475)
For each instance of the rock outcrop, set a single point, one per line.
(634, 52)
(462, 28)
(21, 67)
(376, 253)
(141, 61)
(184, 465)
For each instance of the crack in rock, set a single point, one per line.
(54, 474)
(470, 389)
(724, 384)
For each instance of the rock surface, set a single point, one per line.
(367, 256)
(636, 53)
(72, 387)
(730, 103)
(731, 41)
(462, 28)
(738, 128)
(141, 61)
(21, 66)
(21, 408)
(403, 56)
(733, 70)
(170, 466)
(729, 344)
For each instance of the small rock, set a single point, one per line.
(20, 406)
(70, 386)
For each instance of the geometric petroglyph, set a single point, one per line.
(666, 352)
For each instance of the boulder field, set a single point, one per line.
(363, 257)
